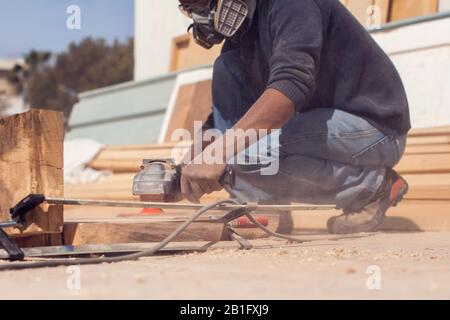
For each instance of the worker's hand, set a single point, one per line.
(200, 179)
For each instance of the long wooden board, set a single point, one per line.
(424, 163)
(31, 161)
(408, 216)
(193, 104)
(406, 9)
(428, 140)
(435, 131)
(187, 54)
(428, 149)
(412, 162)
(100, 232)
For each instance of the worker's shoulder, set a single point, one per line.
(322, 5)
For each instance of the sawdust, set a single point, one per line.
(411, 266)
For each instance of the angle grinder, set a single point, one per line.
(159, 180)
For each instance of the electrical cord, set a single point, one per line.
(147, 253)
(295, 239)
(129, 257)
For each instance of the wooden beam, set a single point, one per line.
(186, 54)
(406, 9)
(31, 161)
(428, 140)
(408, 216)
(436, 131)
(384, 6)
(42, 240)
(193, 104)
(101, 232)
(428, 149)
(424, 163)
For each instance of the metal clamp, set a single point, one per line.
(18, 214)
(13, 250)
(244, 243)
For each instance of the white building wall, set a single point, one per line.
(421, 53)
(157, 22)
(444, 5)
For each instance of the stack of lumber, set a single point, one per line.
(391, 10)
(426, 166)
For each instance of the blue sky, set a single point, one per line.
(41, 24)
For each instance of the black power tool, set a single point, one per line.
(159, 180)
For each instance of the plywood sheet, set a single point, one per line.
(186, 54)
(406, 9)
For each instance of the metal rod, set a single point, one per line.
(163, 205)
(9, 224)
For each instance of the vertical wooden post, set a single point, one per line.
(31, 161)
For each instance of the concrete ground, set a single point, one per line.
(381, 266)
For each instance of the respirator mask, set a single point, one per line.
(220, 20)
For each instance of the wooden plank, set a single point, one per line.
(81, 233)
(384, 6)
(123, 162)
(118, 187)
(410, 163)
(186, 54)
(428, 186)
(121, 248)
(146, 146)
(424, 163)
(406, 9)
(427, 149)
(43, 240)
(359, 8)
(193, 104)
(31, 161)
(429, 140)
(442, 130)
(408, 216)
(429, 193)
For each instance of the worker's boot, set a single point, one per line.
(286, 223)
(369, 219)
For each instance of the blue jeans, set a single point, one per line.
(325, 156)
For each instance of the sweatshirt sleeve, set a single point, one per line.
(296, 31)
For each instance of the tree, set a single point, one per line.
(3, 103)
(34, 59)
(90, 64)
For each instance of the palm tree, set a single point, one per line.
(34, 59)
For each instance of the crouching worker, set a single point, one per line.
(308, 71)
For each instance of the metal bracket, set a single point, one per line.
(244, 243)
(13, 250)
(26, 205)
(233, 215)
(233, 235)
(18, 214)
